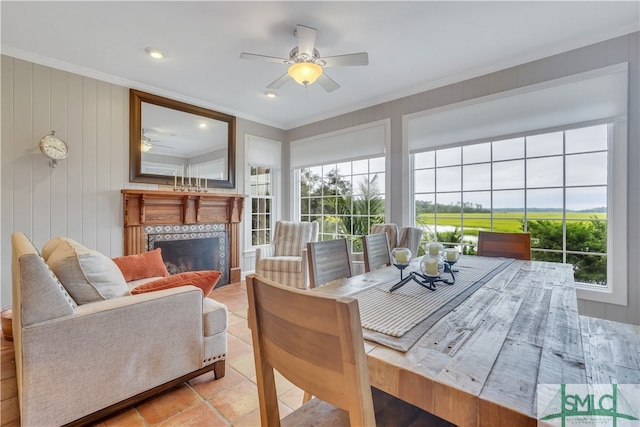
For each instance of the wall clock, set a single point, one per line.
(53, 148)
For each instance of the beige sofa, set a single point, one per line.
(78, 363)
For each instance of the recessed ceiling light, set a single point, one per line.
(270, 94)
(154, 53)
(202, 125)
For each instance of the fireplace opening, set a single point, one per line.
(192, 251)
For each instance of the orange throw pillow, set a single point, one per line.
(141, 266)
(205, 280)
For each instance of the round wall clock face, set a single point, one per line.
(53, 147)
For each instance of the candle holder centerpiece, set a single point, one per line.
(400, 257)
(432, 266)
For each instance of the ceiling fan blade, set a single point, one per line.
(280, 81)
(255, 57)
(327, 83)
(306, 39)
(350, 59)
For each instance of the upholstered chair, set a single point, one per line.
(390, 229)
(410, 238)
(285, 259)
(405, 237)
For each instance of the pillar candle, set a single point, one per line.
(452, 254)
(434, 249)
(401, 257)
(432, 266)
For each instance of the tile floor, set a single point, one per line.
(229, 401)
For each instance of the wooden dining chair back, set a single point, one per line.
(376, 251)
(328, 260)
(316, 343)
(508, 245)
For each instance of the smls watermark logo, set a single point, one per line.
(615, 405)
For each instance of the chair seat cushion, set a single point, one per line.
(288, 264)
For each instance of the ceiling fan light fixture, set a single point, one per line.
(305, 73)
(145, 144)
(154, 53)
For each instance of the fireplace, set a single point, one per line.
(191, 248)
(165, 218)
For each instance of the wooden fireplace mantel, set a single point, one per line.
(151, 207)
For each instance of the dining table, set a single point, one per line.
(478, 357)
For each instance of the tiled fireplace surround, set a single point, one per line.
(187, 212)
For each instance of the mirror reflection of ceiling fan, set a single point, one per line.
(146, 143)
(306, 65)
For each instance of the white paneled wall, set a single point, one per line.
(79, 198)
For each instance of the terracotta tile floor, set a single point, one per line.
(203, 401)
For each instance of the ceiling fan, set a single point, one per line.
(146, 143)
(306, 65)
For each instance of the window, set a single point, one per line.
(261, 197)
(552, 185)
(262, 185)
(345, 198)
(339, 180)
(518, 174)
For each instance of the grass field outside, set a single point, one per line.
(508, 222)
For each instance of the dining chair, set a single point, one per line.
(285, 259)
(508, 245)
(376, 251)
(315, 341)
(328, 260)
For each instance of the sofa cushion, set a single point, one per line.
(86, 274)
(141, 266)
(205, 280)
(52, 245)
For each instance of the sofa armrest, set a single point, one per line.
(115, 348)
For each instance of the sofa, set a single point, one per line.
(78, 361)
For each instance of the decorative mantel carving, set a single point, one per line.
(149, 207)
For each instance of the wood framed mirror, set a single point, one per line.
(170, 141)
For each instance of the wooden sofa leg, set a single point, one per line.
(218, 369)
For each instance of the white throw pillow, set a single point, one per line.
(86, 274)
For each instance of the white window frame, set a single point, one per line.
(272, 161)
(617, 252)
(336, 146)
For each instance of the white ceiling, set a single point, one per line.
(413, 46)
